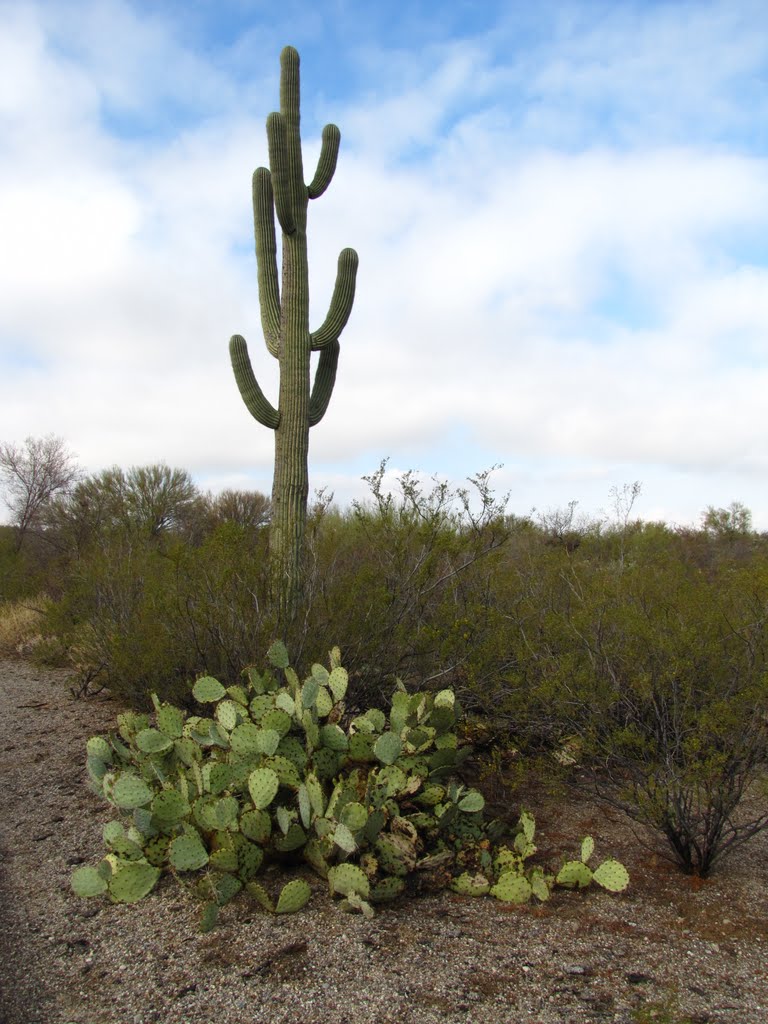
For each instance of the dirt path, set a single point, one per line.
(663, 951)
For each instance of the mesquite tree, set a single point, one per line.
(285, 323)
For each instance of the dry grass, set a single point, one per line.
(20, 623)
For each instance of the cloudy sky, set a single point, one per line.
(561, 212)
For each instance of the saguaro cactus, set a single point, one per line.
(285, 322)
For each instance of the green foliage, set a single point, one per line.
(633, 648)
(267, 773)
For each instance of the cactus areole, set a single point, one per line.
(285, 322)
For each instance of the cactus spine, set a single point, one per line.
(285, 322)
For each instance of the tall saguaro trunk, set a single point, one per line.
(285, 322)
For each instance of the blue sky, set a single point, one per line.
(561, 212)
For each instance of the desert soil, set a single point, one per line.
(669, 949)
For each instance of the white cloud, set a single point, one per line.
(578, 311)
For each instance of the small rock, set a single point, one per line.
(635, 978)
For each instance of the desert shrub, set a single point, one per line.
(678, 711)
(143, 614)
(400, 579)
(116, 618)
(659, 670)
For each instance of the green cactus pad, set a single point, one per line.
(574, 873)
(249, 859)
(539, 885)
(156, 850)
(113, 830)
(393, 779)
(187, 853)
(98, 748)
(127, 849)
(207, 690)
(268, 740)
(512, 888)
(325, 763)
(344, 839)
(418, 740)
(97, 769)
(387, 889)
(209, 915)
(285, 702)
(256, 825)
(292, 749)
(315, 793)
(293, 897)
(170, 807)
(611, 875)
(244, 740)
(261, 705)
(305, 808)
(259, 683)
(131, 722)
(311, 728)
(260, 894)
(228, 714)
(293, 839)
(224, 859)
(278, 720)
(285, 818)
(323, 703)
(430, 795)
(523, 847)
(334, 738)
(527, 825)
(277, 655)
(387, 748)
(472, 802)
(315, 855)
(88, 882)
(309, 692)
(442, 721)
(170, 720)
(217, 777)
(320, 674)
(225, 810)
(263, 784)
(225, 888)
(130, 791)
(347, 878)
(131, 882)
(468, 884)
(423, 822)
(187, 751)
(354, 816)
(338, 682)
(361, 747)
(396, 854)
(285, 770)
(587, 848)
(238, 695)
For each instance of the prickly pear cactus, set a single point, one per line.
(271, 769)
(611, 875)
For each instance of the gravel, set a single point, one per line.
(669, 949)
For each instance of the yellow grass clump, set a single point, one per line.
(20, 623)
